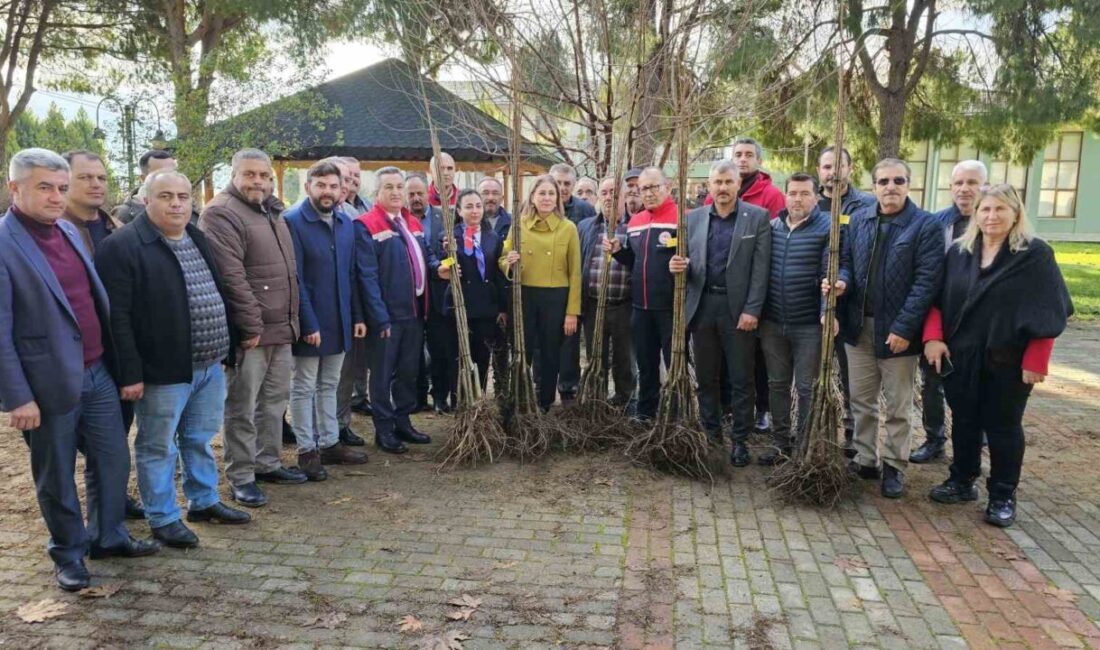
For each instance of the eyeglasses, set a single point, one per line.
(897, 180)
(649, 189)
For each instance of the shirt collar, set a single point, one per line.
(552, 222)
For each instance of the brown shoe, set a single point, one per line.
(341, 454)
(310, 464)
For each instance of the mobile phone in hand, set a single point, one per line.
(946, 367)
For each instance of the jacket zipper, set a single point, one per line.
(870, 263)
(645, 268)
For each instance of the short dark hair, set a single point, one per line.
(800, 177)
(389, 170)
(81, 153)
(464, 193)
(417, 175)
(159, 154)
(831, 148)
(891, 162)
(323, 168)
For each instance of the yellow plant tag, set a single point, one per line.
(448, 263)
(844, 219)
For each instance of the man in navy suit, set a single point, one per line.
(55, 347)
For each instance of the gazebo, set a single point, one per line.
(377, 116)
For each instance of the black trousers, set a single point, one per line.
(442, 352)
(992, 399)
(482, 336)
(501, 359)
(932, 403)
(652, 340)
(543, 324)
(569, 375)
(716, 339)
(394, 363)
(618, 345)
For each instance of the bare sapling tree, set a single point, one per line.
(816, 474)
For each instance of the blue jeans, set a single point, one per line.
(313, 401)
(95, 427)
(178, 421)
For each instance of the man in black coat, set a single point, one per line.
(172, 332)
(891, 267)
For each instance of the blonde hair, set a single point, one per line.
(1021, 233)
(528, 211)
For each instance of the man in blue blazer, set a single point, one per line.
(324, 249)
(55, 348)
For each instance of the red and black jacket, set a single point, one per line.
(385, 270)
(649, 245)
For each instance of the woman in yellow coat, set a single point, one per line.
(550, 277)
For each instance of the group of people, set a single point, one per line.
(245, 313)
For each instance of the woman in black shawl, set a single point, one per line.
(990, 337)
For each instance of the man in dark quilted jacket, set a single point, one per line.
(891, 266)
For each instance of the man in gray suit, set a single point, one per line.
(729, 247)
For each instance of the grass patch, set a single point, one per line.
(1080, 265)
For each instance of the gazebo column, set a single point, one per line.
(280, 170)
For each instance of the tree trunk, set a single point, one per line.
(891, 111)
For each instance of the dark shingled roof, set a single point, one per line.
(381, 117)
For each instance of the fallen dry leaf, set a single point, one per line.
(451, 640)
(410, 623)
(40, 611)
(1005, 552)
(463, 614)
(329, 621)
(356, 473)
(849, 563)
(338, 501)
(388, 495)
(417, 457)
(1064, 595)
(465, 600)
(102, 591)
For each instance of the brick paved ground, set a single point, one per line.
(591, 553)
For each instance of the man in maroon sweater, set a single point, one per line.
(54, 380)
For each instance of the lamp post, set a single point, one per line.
(128, 111)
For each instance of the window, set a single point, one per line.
(1061, 165)
(1005, 171)
(949, 157)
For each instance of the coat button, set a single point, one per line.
(76, 337)
(265, 287)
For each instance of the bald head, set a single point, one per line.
(444, 174)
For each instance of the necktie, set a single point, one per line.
(413, 251)
(472, 248)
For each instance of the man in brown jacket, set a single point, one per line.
(255, 255)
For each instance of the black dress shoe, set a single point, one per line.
(176, 535)
(282, 476)
(288, 434)
(930, 450)
(1001, 512)
(953, 491)
(867, 472)
(893, 482)
(72, 577)
(740, 455)
(131, 548)
(219, 513)
(413, 436)
(774, 456)
(349, 438)
(362, 408)
(389, 443)
(134, 509)
(248, 494)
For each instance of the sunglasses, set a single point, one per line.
(897, 180)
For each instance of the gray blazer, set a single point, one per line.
(748, 266)
(41, 354)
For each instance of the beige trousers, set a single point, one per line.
(256, 399)
(894, 379)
